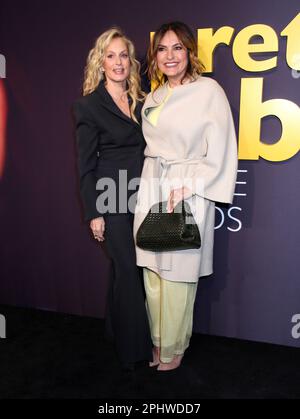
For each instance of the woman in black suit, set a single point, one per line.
(110, 147)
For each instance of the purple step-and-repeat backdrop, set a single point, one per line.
(48, 258)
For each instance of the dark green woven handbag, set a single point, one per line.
(162, 231)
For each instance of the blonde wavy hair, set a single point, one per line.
(194, 68)
(96, 56)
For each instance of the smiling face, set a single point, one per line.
(172, 58)
(116, 62)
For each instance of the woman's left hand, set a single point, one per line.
(177, 195)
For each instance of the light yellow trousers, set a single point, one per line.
(170, 308)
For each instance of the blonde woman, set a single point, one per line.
(191, 154)
(110, 148)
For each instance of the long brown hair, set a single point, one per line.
(186, 37)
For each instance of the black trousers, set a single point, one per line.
(126, 317)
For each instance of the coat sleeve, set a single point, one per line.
(87, 148)
(215, 175)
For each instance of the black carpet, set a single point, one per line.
(48, 355)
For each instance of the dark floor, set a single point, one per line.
(53, 355)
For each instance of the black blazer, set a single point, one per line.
(107, 141)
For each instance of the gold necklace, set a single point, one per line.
(118, 98)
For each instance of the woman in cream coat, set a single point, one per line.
(191, 154)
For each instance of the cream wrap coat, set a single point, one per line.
(193, 144)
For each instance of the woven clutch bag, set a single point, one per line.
(162, 231)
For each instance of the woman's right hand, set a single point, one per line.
(98, 227)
